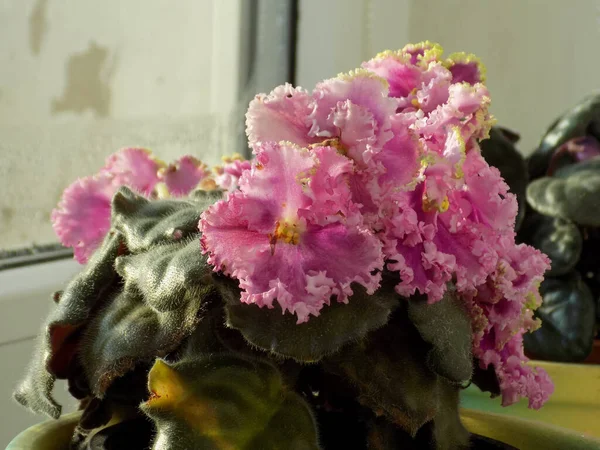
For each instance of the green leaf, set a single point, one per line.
(575, 197)
(499, 151)
(390, 371)
(582, 119)
(58, 342)
(338, 324)
(167, 276)
(226, 402)
(567, 313)
(445, 325)
(558, 238)
(146, 223)
(167, 290)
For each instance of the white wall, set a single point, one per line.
(81, 78)
(541, 55)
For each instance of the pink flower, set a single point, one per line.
(135, 168)
(291, 232)
(82, 217)
(228, 175)
(351, 111)
(183, 176)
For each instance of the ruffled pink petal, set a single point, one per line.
(403, 77)
(434, 89)
(356, 109)
(466, 108)
(82, 217)
(227, 176)
(304, 277)
(401, 160)
(135, 168)
(183, 176)
(518, 380)
(282, 115)
(278, 177)
(277, 236)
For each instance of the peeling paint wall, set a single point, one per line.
(81, 78)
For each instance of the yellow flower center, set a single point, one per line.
(288, 232)
(430, 205)
(333, 142)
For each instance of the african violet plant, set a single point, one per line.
(337, 291)
(563, 221)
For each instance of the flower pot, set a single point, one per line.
(48, 435)
(574, 405)
(522, 433)
(594, 357)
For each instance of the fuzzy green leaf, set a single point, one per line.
(575, 197)
(59, 339)
(567, 313)
(581, 120)
(338, 324)
(146, 223)
(226, 402)
(390, 370)
(167, 276)
(445, 325)
(166, 291)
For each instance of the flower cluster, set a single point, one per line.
(381, 168)
(82, 217)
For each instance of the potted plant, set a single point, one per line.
(337, 291)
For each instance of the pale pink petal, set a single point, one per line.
(282, 115)
(135, 168)
(183, 176)
(333, 115)
(82, 217)
(228, 175)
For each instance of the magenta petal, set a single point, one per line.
(183, 176)
(135, 168)
(465, 68)
(283, 115)
(82, 217)
(402, 76)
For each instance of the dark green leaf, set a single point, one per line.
(390, 371)
(165, 292)
(146, 223)
(567, 314)
(499, 151)
(167, 276)
(59, 340)
(445, 325)
(576, 197)
(558, 238)
(580, 120)
(338, 324)
(226, 402)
